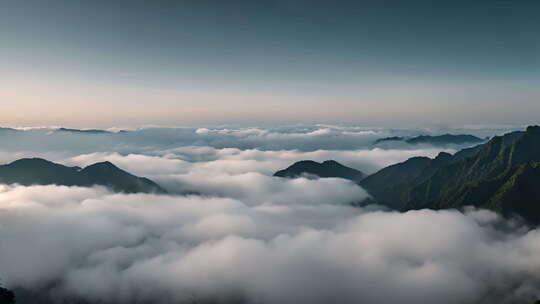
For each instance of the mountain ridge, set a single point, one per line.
(38, 171)
(438, 140)
(484, 176)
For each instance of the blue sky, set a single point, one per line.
(104, 63)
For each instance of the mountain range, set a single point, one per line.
(328, 168)
(438, 140)
(37, 171)
(502, 175)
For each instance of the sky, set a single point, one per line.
(132, 63)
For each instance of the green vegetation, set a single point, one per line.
(502, 175)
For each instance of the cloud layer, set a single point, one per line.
(247, 237)
(91, 244)
(302, 138)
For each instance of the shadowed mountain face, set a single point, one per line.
(328, 168)
(37, 171)
(439, 140)
(502, 175)
(390, 185)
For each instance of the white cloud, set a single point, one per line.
(92, 244)
(237, 161)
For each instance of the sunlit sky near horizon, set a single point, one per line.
(129, 63)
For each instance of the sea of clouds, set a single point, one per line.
(246, 236)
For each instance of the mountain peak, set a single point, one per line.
(31, 160)
(38, 171)
(443, 155)
(533, 129)
(34, 162)
(328, 168)
(331, 162)
(103, 165)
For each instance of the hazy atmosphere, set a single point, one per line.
(269, 152)
(285, 61)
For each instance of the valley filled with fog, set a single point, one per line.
(228, 231)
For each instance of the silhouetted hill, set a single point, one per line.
(439, 140)
(502, 175)
(107, 174)
(37, 171)
(392, 138)
(328, 168)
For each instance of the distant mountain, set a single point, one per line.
(328, 168)
(502, 175)
(8, 130)
(86, 131)
(37, 171)
(439, 140)
(445, 139)
(392, 138)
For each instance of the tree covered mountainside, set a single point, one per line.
(502, 175)
(37, 171)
